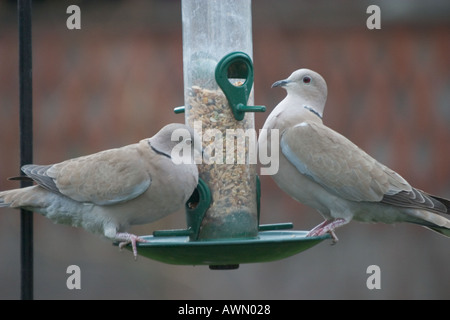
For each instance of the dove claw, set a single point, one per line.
(327, 226)
(334, 238)
(128, 238)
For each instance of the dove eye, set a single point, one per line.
(188, 142)
(306, 79)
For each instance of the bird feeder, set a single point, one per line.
(223, 213)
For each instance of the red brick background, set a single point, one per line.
(116, 81)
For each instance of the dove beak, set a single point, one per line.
(280, 83)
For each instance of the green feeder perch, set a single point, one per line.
(222, 215)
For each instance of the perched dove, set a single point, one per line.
(109, 191)
(324, 170)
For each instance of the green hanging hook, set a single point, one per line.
(237, 65)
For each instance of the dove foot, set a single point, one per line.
(126, 238)
(327, 226)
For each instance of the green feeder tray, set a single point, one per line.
(227, 253)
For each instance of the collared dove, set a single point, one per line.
(324, 170)
(109, 191)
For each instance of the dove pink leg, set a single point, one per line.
(327, 226)
(127, 238)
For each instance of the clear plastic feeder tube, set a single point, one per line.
(211, 30)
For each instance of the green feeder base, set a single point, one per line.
(226, 253)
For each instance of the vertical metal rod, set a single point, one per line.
(26, 142)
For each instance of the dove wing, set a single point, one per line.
(338, 165)
(105, 178)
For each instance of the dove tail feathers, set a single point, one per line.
(443, 231)
(28, 197)
(444, 201)
(432, 221)
(3, 199)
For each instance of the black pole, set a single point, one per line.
(26, 142)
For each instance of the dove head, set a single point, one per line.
(177, 140)
(308, 87)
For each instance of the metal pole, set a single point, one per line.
(26, 142)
